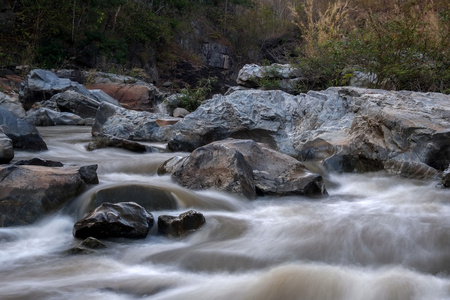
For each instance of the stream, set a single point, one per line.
(374, 237)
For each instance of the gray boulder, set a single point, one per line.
(243, 167)
(100, 141)
(13, 105)
(47, 117)
(125, 219)
(22, 134)
(351, 129)
(179, 226)
(127, 124)
(6, 148)
(27, 193)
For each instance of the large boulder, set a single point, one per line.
(243, 167)
(76, 103)
(12, 104)
(43, 116)
(350, 129)
(23, 135)
(274, 77)
(41, 85)
(127, 124)
(125, 219)
(6, 148)
(130, 92)
(178, 226)
(27, 193)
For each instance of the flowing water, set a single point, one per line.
(375, 237)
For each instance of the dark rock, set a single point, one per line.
(125, 219)
(149, 197)
(39, 162)
(23, 135)
(105, 140)
(446, 178)
(76, 103)
(89, 174)
(217, 55)
(181, 225)
(88, 246)
(27, 193)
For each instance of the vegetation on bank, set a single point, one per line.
(402, 44)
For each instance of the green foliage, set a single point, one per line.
(191, 98)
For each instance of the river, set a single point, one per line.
(374, 237)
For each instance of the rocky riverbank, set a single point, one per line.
(249, 141)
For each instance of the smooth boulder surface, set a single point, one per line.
(216, 166)
(178, 226)
(348, 129)
(27, 193)
(112, 220)
(23, 135)
(6, 148)
(243, 167)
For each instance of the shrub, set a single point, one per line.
(191, 98)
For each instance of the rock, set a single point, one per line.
(13, 105)
(276, 76)
(41, 85)
(89, 174)
(27, 193)
(125, 219)
(216, 166)
(171, 165)
(181, 225)
(446, 178)
(127, 124)
(6, 148)
(277, 173)
(39, 162)
(217, 55)
(130, 92)
(88, 246)
(148, 196)
(23, 135)
(180, 112)
(219, 165)
(105, 140)
(167, 121)
(46, 117)
(349, 129)
(76, 103)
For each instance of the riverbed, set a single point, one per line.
(374, 237)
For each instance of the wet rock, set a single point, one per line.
(22, 134)
(180, 226)
(36, 161)
(6, 148)
(446, 178)
(105, 140)
(125, 219)
(216, 166)
(27, 193)
(89, 174)
(148, 196)
(88, 246)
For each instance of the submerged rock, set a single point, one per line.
(179, 226)
(88, 246)
(125, 219)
